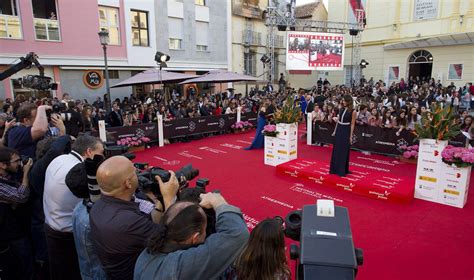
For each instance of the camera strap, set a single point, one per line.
(77, 155)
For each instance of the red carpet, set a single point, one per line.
(419, 240)
(369, 177)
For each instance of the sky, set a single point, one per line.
(302, 2)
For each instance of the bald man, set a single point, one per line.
(118, 229)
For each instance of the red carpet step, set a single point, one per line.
(364, 180)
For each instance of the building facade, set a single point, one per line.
(194, 33)
(409, 38)
(249, 43)
(64, 34)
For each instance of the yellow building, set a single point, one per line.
(249, 40)
(406, 38)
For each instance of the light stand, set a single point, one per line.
(161, 59)
(104, 41)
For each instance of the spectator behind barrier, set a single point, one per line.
(73, 120)
(15, 249)
(119, 231)
(59, 203)
(264, 256)
(180, 249)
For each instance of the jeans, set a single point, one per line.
(89, 263)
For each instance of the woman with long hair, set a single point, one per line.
(87, 119)
(344, 132)
(259, 140)
(264, 256)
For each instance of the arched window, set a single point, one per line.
(421, 56)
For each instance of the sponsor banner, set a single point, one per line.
(429, 170)
(455, 186)
(200, 125)
(368, 138)
(149, 130)
(374, 139)
(314, 51)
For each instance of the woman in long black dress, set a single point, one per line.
(345, 123)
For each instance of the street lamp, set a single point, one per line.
(104, 41)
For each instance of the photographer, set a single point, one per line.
(180, 249)
(119, 230)
(33, 125)
(59, 203)
(15, 255)
(72, 120)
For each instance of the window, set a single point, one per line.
(139, 28)
(250, 64)
(202, 37)
(9, 20)
(201, 48)
(174, 44)
(109, 20)
(113, 74)
(46, 20)
(200, 2)
(175, 30)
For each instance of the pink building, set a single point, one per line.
(64, 36)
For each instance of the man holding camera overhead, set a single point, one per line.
(32, 126)
(119, 230)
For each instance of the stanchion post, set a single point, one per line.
(102, 132)
(309, 129)
(239, 113)
(161, 141)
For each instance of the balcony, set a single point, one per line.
(47, 29)
(251, 38)
(10, 27)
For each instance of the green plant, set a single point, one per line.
(290, 112)
(440, 124)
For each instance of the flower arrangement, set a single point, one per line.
(242, 125)
(410, 152)
(270, 130)
(439, 124)
(290, 112)
(459, 156)
(133, 141)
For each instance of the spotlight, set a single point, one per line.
(161, 57)
(353, 32)
(265, 59)
(363, 63)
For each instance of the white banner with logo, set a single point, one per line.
(437, 181)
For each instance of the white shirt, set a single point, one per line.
(58, 200)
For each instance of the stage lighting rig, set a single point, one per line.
(161, 59)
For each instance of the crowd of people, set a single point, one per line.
(399, 106)
(67, 212)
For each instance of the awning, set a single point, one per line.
(154, 76)
(437, 41)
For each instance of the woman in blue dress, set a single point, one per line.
(258, 141)
(344, 131)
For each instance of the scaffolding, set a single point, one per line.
(274, 19)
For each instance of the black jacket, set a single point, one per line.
(73, 122)
(115, 119)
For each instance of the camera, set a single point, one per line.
(148, 182)
(326, 248)
(38, 82)
(24, 160)
(58, 108)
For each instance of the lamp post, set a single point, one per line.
(104, 41)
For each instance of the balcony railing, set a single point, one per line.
(47, 29)
(10, 27)
(251, 38)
